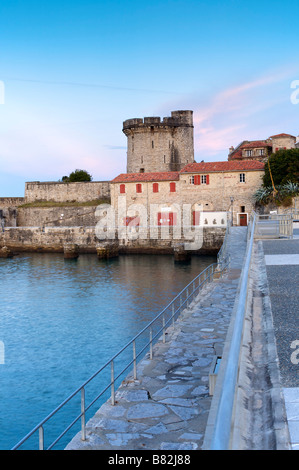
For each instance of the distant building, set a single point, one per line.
(260, 150)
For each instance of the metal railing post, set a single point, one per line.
(83, 429)
(41, 438)
(134, 360)
(163, 321)
(112, 384)
(151, 343)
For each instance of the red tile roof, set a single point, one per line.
(256, 144)
(283, 135)
(209, 167)
(144, 177)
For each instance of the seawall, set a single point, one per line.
(53, 239)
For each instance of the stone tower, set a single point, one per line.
(154, 145)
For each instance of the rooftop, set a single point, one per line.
(209, 167)
(141, 177)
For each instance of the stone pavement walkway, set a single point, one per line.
(167, 407)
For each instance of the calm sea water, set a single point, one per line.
(61, 320)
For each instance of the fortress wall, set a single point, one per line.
(9, 209)
(11, 202)
(66, 192)
(56, 216)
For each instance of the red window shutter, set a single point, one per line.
(197, 179)
(196, 217)
(155, 188)
(122, 188)
(132, 221)
(172, 218)
(208, 179)
(172, 187)
(167, 218)
(138, 188)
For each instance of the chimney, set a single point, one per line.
(231, 149)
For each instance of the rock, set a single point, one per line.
(71, 251)
(5, 252)
(107, 250)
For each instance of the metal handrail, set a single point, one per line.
(184, 298)
(222, 428)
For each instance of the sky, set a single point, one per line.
(72, 71)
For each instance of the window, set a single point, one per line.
(195, 179)
(199, 179)
(122, 188)
(248, 153)
(261, 152)
(242, 209)
(152, 144)
(155, 187)
(138, 188)
(205, 179)
(242, 177)
(172, 187)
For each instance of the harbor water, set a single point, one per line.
(61, 320)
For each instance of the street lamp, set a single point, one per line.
(232, 209)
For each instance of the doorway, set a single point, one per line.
(243, 219)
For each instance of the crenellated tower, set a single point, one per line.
(154, 145)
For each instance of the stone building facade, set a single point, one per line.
(260, 150)
(156, 146)
(203, 188)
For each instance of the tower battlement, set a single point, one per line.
(159, 145)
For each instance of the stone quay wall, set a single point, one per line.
(54, 239)
(49, 239)
(56, 216)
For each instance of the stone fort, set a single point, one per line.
(155, 145)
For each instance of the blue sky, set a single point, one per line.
(73, 71)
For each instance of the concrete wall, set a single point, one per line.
(66, 192)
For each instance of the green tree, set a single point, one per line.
(77, 175)
(284, 167)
